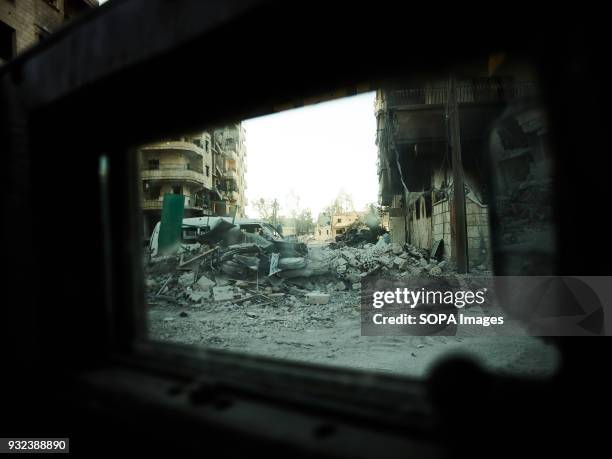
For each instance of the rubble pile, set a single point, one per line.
(359, 235)
(233, 267)
(352, 263)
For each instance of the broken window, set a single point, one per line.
(153, 164)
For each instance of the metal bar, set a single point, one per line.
(460, 242)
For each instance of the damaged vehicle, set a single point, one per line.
(197, 227)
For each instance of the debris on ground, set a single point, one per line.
(230, 266)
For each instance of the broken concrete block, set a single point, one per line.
(317, 298)
(340, 286)
(223, 293)
(341, 269)
(403, 265)
(204, 284)
(396, 249)
(186, 279)
(221, 281)
(356, 286)
(386, 261)
(435, 271)
(197, 296)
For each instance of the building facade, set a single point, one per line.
(323, 228)
(229, 159)
(415, 160)
(208, 174)
(23, 23)
(341, 222)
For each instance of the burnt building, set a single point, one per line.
(415, 143)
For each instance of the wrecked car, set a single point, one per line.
(195, 230)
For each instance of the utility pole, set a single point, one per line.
(452, 116)
(274, 210)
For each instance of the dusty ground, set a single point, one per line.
(331, 334)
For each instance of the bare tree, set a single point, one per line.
(342, 204)
(265, 209)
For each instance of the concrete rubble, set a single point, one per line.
(233, 267)
(307, 311)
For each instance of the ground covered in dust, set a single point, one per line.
(287, 328)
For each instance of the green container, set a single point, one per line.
(169, 239)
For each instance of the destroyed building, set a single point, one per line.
(323, 231)
(341, 222)
(24, 23)
(415, 156)
(208, 174)
(229, 158)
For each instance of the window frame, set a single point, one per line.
(299, 386)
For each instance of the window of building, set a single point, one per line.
(207, 171)
(42, 32)
(339, 220)
(153, 164)
(7, 42)
(177, 189)
(53, 3)
(229, 141)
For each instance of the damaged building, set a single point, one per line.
(206, 168)
(417, 165)
(24, 23)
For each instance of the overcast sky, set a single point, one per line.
(313, 152)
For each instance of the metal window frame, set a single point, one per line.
(113, 49)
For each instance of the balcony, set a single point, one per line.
(230, 154)
(175, 145)
(232, 196)
(479, 92)
(230, 174)
(157, 204)
(175, 173)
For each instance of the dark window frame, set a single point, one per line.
(115, 343)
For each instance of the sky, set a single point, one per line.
(313, 152)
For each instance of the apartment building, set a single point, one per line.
(23, 23)
(229, 158)
(208, 173)
(182, 165)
